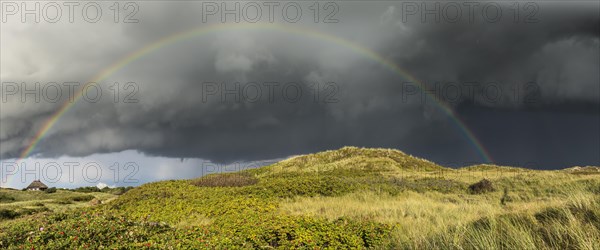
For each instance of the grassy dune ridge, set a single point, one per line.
(346, 198)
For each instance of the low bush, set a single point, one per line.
(33, 210)
(116, 190)
(7, 214)
(225, 180)
(76, 198)
(5, 198)
(87, 189)
(82, 198)
(113, 190)
(505, 197)
(83, 229)
(483, 186)
(62, 201)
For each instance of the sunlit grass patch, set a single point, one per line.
(225, 180)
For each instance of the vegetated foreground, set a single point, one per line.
(346, 198)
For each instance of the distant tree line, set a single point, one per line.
(115, 190)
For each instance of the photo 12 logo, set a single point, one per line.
(69, 171)
(54, 92)
(71, 11)
(457, 92)
(208, 167)
(269, 92)
(469, 11)
(270, 11)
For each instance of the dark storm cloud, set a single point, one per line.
(558, 53)
(175, 117)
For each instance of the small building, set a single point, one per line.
(37, 185)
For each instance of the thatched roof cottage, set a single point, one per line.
(37, 185)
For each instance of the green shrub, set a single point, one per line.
(5, 198)
(505, 197)
(117, 190)
(225, 180)
(33, 210)
(76, 198)
(50, 190)
(82, 229)
(483, 186)
(63, 201)
(8, 214)
(87, 189)
(82, 198)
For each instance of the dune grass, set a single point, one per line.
(348, 198)
(20, 203)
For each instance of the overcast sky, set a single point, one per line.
(522, 78)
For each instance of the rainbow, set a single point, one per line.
(132, 57)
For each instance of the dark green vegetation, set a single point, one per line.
(16, 203)
(114, 190)
(483, 186)
(347, 198)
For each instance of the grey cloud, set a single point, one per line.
(510, 53)
(172, 119)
